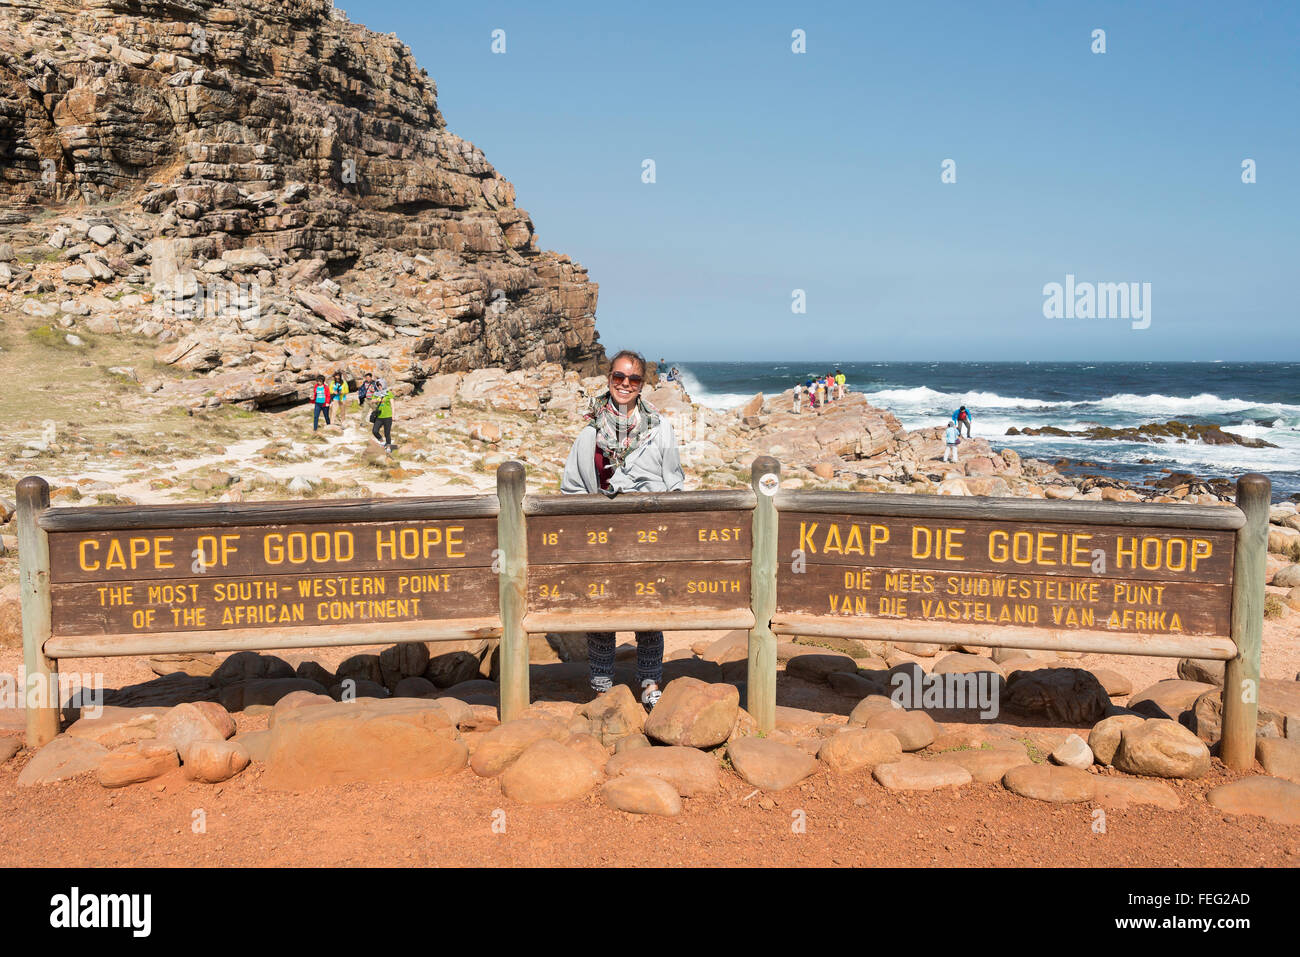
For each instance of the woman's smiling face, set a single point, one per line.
(625, 381)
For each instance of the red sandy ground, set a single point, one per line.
(850, 819)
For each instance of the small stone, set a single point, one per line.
(214, 761)
(1073, 752)
(195, 721)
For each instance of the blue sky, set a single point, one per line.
(820, 171)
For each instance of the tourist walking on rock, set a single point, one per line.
(951, 439)
(626, 446)
(383, 417)
(364, 390)
(798, 397)
(320, 402)
(339, 389)
(962, 417)
(839, 384)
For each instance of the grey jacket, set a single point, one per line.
(654, 466)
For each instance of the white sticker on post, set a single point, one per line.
(769, 483)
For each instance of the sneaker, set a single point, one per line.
(651, 694)
(602, 685)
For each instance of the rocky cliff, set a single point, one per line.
(266, 188)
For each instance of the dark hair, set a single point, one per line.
(320, 378)
(629, 354)
(369, 375)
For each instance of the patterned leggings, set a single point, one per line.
(649, 658)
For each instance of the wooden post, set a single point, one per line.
(512, 544)
(41, 686)
(760, 701)
(1241, 674)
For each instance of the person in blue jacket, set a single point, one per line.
(962, 417)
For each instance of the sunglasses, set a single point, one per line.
(618, 377)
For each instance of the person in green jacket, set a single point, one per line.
(384, 419)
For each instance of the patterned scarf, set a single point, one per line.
(618, 436)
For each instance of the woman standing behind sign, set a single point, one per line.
(626, 446)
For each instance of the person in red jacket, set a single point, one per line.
(321, 395)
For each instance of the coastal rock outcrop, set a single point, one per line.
(269, 191)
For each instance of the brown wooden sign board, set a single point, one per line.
(248, 577)
(665, 536)
(1044, 575)
(667, 585)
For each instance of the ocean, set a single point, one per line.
(1254, 399)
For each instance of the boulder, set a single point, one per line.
(398, 739)
(589, 746)
(694, 714)
(988, 765)
(414, 687)
(1114, 791)
(1270, 798)
(615, 715)
(1204, 670)
(913, 729)
(1161, 748)
(1052, 783)
(915, 774)
(402, 661)
(134, 763)
(62, 758)
(691, 771)
(502, 745)
(115, 726)
(1104, 737)
(256, 744)
(1168, 698)
(549, 773)
(452, 668)
(212, 762)
(1067, 695)
(856, 748)
(642, 794)
(293, 700)
(243, 665)
(1279, 757)
(1277, 713)
(197, 721)
(869, 705)
(769, 764)
(813, 666)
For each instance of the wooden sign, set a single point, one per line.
(250, 577)
(667, 560)
(1048, 575)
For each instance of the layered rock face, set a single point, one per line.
(274, 142)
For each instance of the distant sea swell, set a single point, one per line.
(1257, 400)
